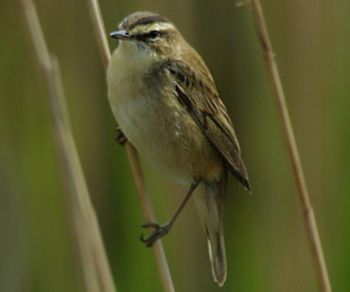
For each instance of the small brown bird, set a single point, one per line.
(167, 105)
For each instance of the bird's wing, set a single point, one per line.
(198, 94)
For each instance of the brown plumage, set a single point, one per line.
(198, 94)
(167, 105)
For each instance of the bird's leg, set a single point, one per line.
(120, 137)
(161, 230)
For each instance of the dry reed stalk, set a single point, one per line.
(144, 197)
(303, 194)
(95, 268)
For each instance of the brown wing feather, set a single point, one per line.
(201, 99)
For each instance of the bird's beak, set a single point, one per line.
(120, 35)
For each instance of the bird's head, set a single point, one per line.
(150, 35)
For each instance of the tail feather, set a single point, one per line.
(210, 203)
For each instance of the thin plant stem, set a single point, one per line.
(96, 272)
(144, 198)
(303, 194)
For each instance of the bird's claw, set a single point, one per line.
(158, 232)
(120, 137)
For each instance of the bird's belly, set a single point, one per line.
(160, 128)
(166, 135)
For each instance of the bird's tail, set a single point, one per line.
(210, 204)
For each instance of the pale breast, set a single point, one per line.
(160, 128)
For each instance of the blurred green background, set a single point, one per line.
(266, 241)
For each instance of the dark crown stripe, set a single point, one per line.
(146, 20)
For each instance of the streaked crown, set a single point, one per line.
(141, 19)
(149, 30)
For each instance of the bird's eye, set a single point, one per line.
(154, 34)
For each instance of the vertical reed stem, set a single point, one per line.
(95, 268)
(303, 194)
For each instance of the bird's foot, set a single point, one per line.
(120, 137)
(159, 232)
